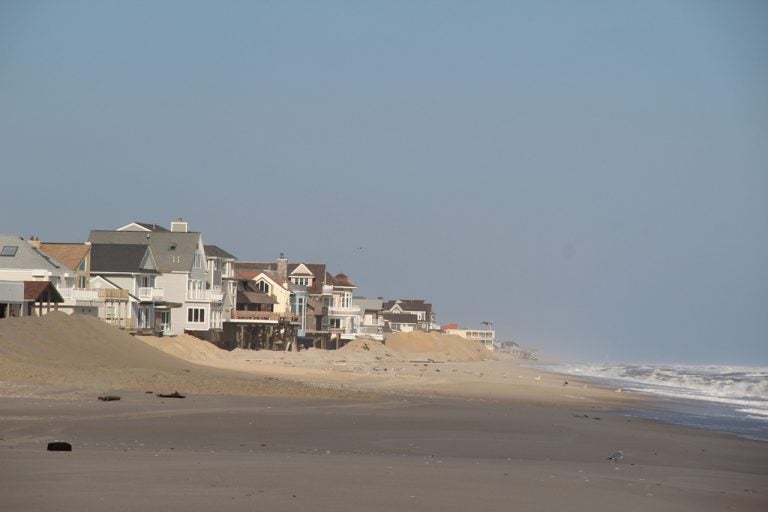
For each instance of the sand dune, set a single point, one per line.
(438, 347)
(84, 352)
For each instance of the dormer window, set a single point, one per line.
(9, 250)
(263, 286)
(172, 247)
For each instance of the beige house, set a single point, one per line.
(484, 336)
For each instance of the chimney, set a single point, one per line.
(282, 267)
(34, 242)
(179, 226)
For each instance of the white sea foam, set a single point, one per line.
(743, 388)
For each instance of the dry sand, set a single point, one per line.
(443, 430)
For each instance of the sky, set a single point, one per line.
(591, 177)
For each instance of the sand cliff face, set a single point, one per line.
(84, 352)
(79, 352)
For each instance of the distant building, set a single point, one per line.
(485, 336)
(420, 309)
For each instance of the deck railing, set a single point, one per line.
(151, 294)
(75, 294)
(264, 315)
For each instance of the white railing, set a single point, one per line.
(337, 310)
(151, 294)
(74, 294)
(205, 295)
(370, 329)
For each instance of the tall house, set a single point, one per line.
(182, 264)
(322, 301)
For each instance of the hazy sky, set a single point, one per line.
(592, 177)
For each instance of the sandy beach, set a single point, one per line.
(366, 428)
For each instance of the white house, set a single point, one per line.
(182, 264)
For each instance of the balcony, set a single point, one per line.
(110, 294)
(205, 295)
(264, 315)
(370, 329)
(343, 311)
(79, 294)
(147, 294)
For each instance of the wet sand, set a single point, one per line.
(224, 452)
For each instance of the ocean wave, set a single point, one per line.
(755, 414)
(734, 385)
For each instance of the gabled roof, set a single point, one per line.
(218, 252)
(258, 275)
(408, 305)
(173, 251)
(70, 255)
(26, 257)
(301, 270)
(317, 270)
(122, 258)
(143, 226)
(41, 291)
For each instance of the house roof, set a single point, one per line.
(173, 251)
(409, 305)
(143, 226)
(246, 297)
(218, 252)
(400, 318)
(27, 257)
(317, 271)
(343, 280)
(70, 255)
(120, 258)
(252, 275)
(41, 291)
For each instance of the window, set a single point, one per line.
(81, 281)
(335, 323)
(9, 250)
(301, 281)
(346, 300)
(196, 315)
(263, 286)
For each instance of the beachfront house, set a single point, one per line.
(221, 277)
(487, 337)
(399, 322)
(262, 318)
(418, 308)
(80, 297)
(369, 321)
(322, 302)
(126, 275)
(183, 274)
(22, 262)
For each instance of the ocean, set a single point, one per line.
(723, 398)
